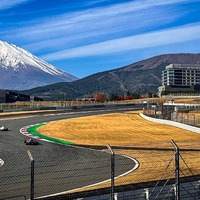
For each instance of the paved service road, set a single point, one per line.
(58, 168)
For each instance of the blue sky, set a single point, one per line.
(83, 37)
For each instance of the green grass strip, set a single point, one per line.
(33, 130)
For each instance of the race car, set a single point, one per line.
(31, 141)
(3, 128)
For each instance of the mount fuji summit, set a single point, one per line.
(20, 70)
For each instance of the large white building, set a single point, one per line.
(180, 78)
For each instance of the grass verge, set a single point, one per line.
(33, 130)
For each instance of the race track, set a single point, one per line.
(58, 168)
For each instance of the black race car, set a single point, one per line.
(31, 141)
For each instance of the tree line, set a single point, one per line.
(101, 96)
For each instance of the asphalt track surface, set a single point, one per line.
(58, 168)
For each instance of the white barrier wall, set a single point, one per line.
(172, 123)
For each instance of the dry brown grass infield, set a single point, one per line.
(147, 142)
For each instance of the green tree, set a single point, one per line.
(113, 97)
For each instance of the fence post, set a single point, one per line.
(177, 171)
(32, 176)
(198, 189)
(112, 173)
(146, 190)
(194, 119)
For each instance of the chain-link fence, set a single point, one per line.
(185, 116)
(189, 118)
(143, 171)
(35, 105)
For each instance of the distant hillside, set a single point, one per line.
(143, 77)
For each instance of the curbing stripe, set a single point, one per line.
(24, 131)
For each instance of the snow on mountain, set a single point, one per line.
(21, 70)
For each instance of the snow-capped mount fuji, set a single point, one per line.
(20, 70)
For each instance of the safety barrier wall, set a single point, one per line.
(138, 106)
(172, 123)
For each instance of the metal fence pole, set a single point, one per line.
(112, 173)
(187, 118)
(177, 171)
(32, 176)
(146, 190)
(194, 119)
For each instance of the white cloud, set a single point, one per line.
(67, 29)
(137, 5)
(95, 25)
(84, 19)
(5, 4)
(153, 39)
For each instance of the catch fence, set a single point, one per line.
(189, 116)
(45, 105)
(158, 171)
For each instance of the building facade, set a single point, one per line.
(11, 96)
(180, 78)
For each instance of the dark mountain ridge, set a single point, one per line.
(143, 77)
